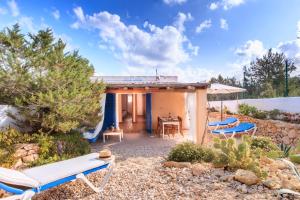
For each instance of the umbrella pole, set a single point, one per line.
(221, 109)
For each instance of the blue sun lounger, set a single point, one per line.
(243, 127)
(25, 184)
(227, 122)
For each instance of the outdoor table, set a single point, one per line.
(169, 121)
(113, 132)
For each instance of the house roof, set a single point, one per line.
(127, 84)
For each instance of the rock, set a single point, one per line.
(280, 165)
(292, 184)
(174, 164)
(198, 169)
(20, 153)
(246, 177)
(30, 158)
(242, 189)
(105, 153)
(266, 161)
(272, 183)
(18, 164)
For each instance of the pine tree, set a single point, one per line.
(50, 87)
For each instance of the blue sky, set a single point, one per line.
(194, 39)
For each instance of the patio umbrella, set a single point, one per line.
(217, 88)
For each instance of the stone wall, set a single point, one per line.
(279, 131)
(25, 154)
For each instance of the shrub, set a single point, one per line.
(185, 152)
(237, 156)
(259, 114)
(286, 149)
(264, 146)
(245, 109)
(273, 114)
(190, 152)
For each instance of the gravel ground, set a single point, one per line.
(139, 175)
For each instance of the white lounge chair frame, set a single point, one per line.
(29, 193)
(297, 174)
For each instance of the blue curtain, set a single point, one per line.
(149, 113)
(110, 113)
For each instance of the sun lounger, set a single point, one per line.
(244, 127)
(25, 184)
(227, 122)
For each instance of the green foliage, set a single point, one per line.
(50, 87)
(237, 156)
(52, 147)
(295, 158)
(190, 152)
(264, 143)
(286, 149)
(245, 109)
(260, 114)
(61, 147)
(273, 114)
(265, 77)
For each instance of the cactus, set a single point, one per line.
(237, 156)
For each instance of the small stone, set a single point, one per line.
(246, 177)
(227, 178)
(272, 183)
(174, 164)
(198, 169)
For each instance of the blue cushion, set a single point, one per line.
(242, 127)
(227, 121)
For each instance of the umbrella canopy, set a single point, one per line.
(217, 88)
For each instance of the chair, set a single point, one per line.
(227, 122)
(25, 184)
(244, 127)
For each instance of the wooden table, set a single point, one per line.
(169, 121)
(111, 133)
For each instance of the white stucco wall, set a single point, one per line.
(286, 104)
(6, 121)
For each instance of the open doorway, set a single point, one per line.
(133, 109)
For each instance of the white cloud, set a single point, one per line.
(27, 23)
(204, 25)
(56, 14)
(151, 46)
(181, 19)
(223, 24)
(79, 15)
(173, 2)
(214, 6)
(251, 49)
(226, 4)
(13, 6)
(3, 11)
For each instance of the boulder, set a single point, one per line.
(30, 158)
(290, 183)
(246, 177)
(174, 164)
(199, 169)
(19, 153)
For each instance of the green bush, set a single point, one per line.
(190, 152)
(286, 149)
(52, 147)
(264, 146)
(273, 114)
(245, 109)
(260, 114)
(237, 156)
